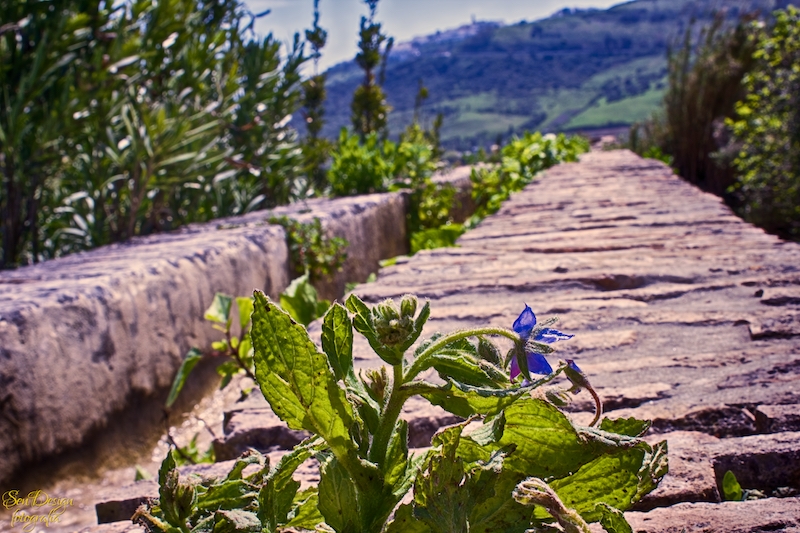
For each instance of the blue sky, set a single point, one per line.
(401, 19)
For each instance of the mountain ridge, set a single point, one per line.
(577, 69)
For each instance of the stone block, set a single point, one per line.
(755, 516)
(81, 335)
(776, 418)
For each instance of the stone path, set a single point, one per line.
(682, 313)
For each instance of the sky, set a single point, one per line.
(401, 19)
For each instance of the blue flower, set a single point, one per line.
(525, 327)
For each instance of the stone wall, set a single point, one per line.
(81, 335)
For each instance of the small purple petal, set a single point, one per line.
(514, 368)
(525, 322)
(573, 366)
(550, 335)
(537, 364)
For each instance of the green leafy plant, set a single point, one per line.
(311, 250)
(509, 467)
(301, 301)
(124, 118)
(766, 130)
(705, 72)
(522, 159)
(370, 112)
(238, 349)
(731, 490)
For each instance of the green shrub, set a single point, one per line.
(704, 83)
(766, 131)
(522, 159)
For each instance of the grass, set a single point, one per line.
(626, 111)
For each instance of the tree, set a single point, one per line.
(369, 107)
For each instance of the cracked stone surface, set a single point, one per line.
(683, 314)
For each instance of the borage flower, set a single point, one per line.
(535, 337)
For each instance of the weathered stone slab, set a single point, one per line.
(116, 527)
(775, 418)
(81, 335)
(756, 516)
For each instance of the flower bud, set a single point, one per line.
(408, 306)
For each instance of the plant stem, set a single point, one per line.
(422, 361)
(377, 452)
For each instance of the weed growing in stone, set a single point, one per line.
(515, 463)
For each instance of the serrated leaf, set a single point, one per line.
(547, 445)
(612, 478)
(494, 508)
(625, 426)
(612, 520)
(439, 499)
(337, 341)
(302, 390)
(232, 494)
(465, 401)
(338, 500)
(220, 309)
(190, 360)
(295, 377)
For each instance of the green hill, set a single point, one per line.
(578, 69)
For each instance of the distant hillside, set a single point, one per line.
(578, 69)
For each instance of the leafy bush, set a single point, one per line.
(522, 159)
(128, 117)
(480, 477)
(360, 167)
(311, 251)
(704, 83)
(766, 130)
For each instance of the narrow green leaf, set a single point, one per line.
(612, 520)
(190, 360)
(397, 453)
(337, 341)
(232, 494)
(220, 309)
(731, 490)
(245, 306)
(465, 368)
